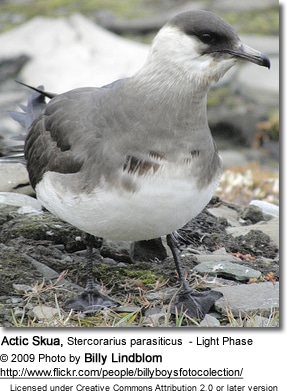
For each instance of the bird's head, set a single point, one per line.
(201, 46)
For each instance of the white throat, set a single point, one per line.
(175, 57)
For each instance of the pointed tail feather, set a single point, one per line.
(35, 105)
(32, 110)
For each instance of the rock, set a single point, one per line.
(223, 211)
(22, 288)
(13, 177)
(261, 321)
(44, 312)
(227, 269)
(146, 250)
(266, 207)
(47, 272)
(154, 317)
(10, 67)
(127, 308)
(248, 299)
(162, 295)
(210, 321)
(43, 227)
(252, 213)
(110, 262)
(27, 204)
(118, 250)
(71, 52)
(270, 228)
(215, 258)
(17, 300)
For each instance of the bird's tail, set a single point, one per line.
(30, 111)
(34, 107)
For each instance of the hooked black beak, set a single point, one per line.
(247, 53)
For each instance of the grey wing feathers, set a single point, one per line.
(35, 106)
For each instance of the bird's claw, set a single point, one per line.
(90, 301)
(194, 304)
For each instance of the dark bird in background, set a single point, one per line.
(135, 159)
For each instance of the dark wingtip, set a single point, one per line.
(39, 89)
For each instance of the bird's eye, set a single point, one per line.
(207, 38)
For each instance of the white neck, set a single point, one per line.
(174, 62)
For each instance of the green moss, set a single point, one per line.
(246, 22)
(121, 275)
(264, 22)
(116, 278)
(60, 8)
(146, 276)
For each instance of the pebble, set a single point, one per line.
(162, 295)
(248, 299)
(44, 312)
(261, 321)
(66, 47)
(154, 317)
(15, 300)
(223, 211)
(118, 250)
(110, 262)
(22, 288)
(51, 275)
(227, 269)
(48, 273)
(270, 228)
(266, 207)
(215, 258)
(14, 177)
(252, 213)
(210, 321)
(26, 203)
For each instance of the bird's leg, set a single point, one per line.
(90, 300)
(90, 241)
(194, 304)
(172, 243)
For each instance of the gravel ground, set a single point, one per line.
(42, 262)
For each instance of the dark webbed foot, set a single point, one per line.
(90, 300)
(194, 304)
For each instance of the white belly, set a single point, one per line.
(160, 206)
